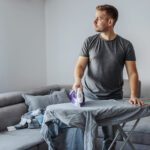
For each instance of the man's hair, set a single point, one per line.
(110, 10)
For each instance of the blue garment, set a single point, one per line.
(31, 120)
(73, 138)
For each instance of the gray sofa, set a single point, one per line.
(12, 107)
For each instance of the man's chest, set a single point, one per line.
(107, 52)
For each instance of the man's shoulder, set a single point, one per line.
(123, 40)
(92, 37)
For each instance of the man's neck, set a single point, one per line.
(109, 35)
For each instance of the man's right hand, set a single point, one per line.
(77, 85)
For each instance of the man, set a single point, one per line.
(104, 55)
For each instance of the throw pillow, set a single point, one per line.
(42, 101)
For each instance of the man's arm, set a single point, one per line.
(133, 80)
(79, 71)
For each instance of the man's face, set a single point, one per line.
(102, 21)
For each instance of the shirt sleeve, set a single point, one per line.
(130, 53)
(85, 48)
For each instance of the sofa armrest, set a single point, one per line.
(126, 89)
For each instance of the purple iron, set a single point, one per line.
(77, 97)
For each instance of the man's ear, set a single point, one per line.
(110, 22)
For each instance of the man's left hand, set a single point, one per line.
(136, 101)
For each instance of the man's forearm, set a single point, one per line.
(134, 84)
(78, 73)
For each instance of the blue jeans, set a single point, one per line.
(75, 138)
(109, 134)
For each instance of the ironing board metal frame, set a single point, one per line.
(126, 137)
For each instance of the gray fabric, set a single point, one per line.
(10, 115)
(20, 139)
(36, 102)
(95, 113)
(104, 75)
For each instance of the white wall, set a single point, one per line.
(67, 25)
(30, 58)
(69, 22)
(22, 44)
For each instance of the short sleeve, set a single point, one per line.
(85, 48)
(130, 53)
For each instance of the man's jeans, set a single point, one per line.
(77, 138)
(109, 134)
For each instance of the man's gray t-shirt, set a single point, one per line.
(103, 77)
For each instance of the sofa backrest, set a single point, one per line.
(126, 89)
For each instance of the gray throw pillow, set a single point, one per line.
(42, 101)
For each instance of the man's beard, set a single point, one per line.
(101, 30)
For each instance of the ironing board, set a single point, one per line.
(98, 113)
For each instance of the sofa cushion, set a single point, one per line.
(35, 102)
(31, 139)
(11, 115)
(10, 98)
(20, 139)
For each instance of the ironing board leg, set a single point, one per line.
(125, 136)
(115, 139)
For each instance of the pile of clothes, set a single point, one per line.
(31, 120)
